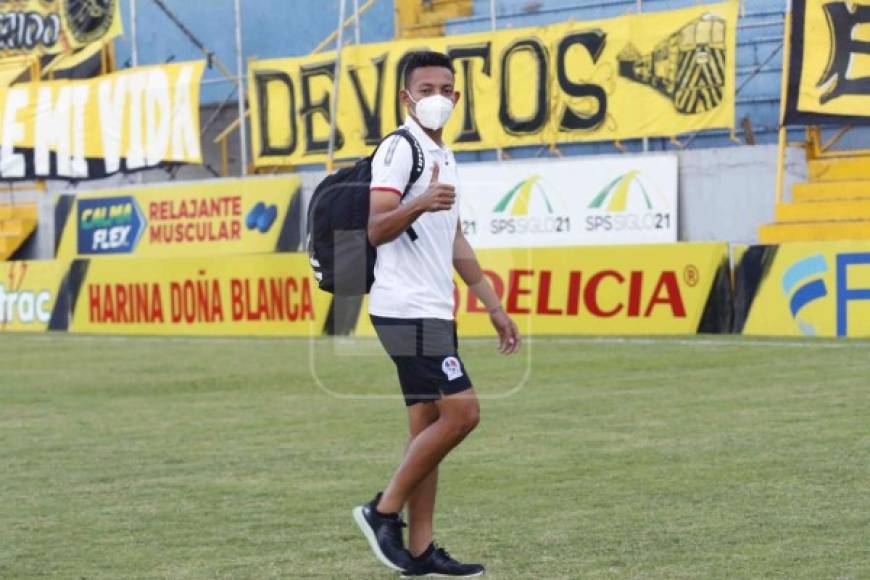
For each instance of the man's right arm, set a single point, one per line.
(389, 218)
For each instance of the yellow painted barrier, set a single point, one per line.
(256, 295)
(807, 289)
(29, 292)
(650, 289)
(207, 218)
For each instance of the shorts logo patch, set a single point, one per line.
(451, 368)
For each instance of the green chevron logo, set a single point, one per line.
(518, 199)
(616, 194)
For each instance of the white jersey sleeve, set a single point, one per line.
(391, 166)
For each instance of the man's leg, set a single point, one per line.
(421, 502)
(458, 416)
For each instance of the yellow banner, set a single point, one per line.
(54, 26)
(127, 121)
(650, 289)
(263, 295)
(28, 292)
(829, 69)
(661, 73)
(204, 218)
(814, 289)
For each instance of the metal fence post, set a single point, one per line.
(493, 22)
(645, 139)
(240, 80)
(356, 32)
(333, 106)
(134, 37)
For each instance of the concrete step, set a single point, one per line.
(840, 169)
(13, 233)
(814, 231)
(822, 211)
(8, 245)
(830, 191)
(423, 31)
(9, 211)
(452, 8)
(17, 226)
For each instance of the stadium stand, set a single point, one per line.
(17, 224)
(833, 205)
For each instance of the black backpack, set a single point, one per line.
(338, 217)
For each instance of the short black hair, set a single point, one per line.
(426, 58)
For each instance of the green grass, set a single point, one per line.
(169, 458)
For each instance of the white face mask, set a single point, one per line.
(434, 111)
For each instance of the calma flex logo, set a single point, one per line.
(111, 225)
(804, 283)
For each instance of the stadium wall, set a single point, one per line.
(725, 194)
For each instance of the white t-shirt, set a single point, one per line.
(414, 279)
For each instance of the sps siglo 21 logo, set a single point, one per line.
(807, 282)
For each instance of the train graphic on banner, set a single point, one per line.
(688, 67)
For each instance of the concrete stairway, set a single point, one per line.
(17, 223)
(419, 19)
(833, 205)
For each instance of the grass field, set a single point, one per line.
(183, 458)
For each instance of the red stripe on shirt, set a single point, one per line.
(390, 189)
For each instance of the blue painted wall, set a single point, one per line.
(270, 28)
(276, 28)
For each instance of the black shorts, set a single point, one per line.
(426, 356)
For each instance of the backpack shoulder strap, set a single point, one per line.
(417, 162)
(417, 158)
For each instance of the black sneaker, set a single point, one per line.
(384, 534)
(435, 562)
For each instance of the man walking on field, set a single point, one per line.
(411, 306)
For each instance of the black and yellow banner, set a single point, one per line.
(54, 26)
(829, 68)
(127, 121)
(618, 290)
(643, 75)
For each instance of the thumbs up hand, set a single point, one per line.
(438, 196)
